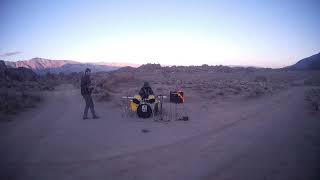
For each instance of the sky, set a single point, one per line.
(170, 32)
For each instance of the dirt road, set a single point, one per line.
(272, 137)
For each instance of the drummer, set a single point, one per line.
(145, 91)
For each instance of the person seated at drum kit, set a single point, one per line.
(145, 91)
(145, 104)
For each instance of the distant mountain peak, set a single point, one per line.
(43, 65)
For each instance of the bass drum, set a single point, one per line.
(144, 110)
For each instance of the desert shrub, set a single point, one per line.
(120, 78)
(312, 96)
(101, 94)
(208, 91)
(112, 81)
(15, 101)
(313, 81)
(104, 96)
(256, 92)
(260, 79)
(220, 93)
(47, 88)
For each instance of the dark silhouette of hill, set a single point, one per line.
(309, 63)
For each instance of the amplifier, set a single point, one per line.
(176, 97)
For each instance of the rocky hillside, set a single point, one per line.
(21, 88)
(16, 74)
(309, 63)
(17, 87)
(214, 83)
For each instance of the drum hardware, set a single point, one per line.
(183, 118)
(160, 109)
(126, 110)
(127, 97)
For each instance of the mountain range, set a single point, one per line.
(43, 66)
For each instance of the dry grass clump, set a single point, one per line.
(13, 100)
(256, 91)
(312, 96)
(260, 78)
(312, 81)
(101, 94)
(18, 95)
(110, 85)
(218, 88)
(50, 80)
(114, 82)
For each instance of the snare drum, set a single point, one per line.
(151, 99)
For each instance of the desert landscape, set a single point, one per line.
(244, 123)
(159, 90)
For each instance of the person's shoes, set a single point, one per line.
(95, 117)
(84, 118)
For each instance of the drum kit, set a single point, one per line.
(153, 107)
(144, 108)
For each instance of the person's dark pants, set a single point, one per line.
(89, 105)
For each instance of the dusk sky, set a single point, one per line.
(258, 33)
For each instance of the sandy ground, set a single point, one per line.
(272, 137)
